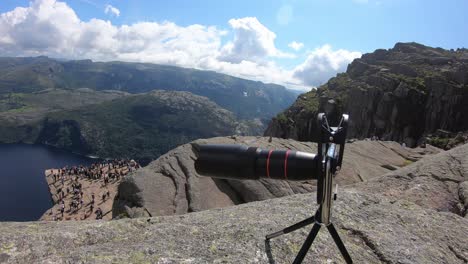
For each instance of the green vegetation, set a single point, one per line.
(138, 126)
(341, 80)
(416, 82)
(407, 162)
(449, 141)
(247, 99)
(281, 117)
(439, 142)
(309, 102)
(42, 100)
(115, 124)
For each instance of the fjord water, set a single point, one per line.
(24, 195)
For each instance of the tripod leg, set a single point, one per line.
(294, 227)
(308, 242)
(339, 243)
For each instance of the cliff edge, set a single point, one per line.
(170, 185)
(381, 221)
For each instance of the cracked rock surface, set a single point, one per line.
(374, 228)
(439, 182)
(400, 217)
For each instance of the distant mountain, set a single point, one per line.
(114, 124)
(401, 94)
(22, 114)
(247, 99)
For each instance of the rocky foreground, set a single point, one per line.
(375, 229)
(170, 185)
(404, 216)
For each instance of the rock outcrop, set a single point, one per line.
(388, 219)
(440, 182)
(170, 185)
(400, 94)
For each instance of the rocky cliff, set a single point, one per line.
(400, 94)
(399, 217)
(142, 126)
(170, 185)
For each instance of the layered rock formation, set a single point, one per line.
(380, 221)
(400, 94)
(170, 185)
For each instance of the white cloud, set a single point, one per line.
(112, 10)
(296, 45)
(322, 64)
(52, 28)
(252, 41)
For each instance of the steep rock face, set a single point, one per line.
(380, 221)
(399, 94)
(141, 127)
(170, 185)
(22, 114)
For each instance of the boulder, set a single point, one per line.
(170, 185)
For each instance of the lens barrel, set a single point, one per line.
(242, 162)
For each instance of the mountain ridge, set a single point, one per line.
(402, 94)
(243, 97)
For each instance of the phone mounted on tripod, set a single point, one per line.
(242, 162)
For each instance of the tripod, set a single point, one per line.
(311, 237)
(330, 155)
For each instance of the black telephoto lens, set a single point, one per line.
(242, 162)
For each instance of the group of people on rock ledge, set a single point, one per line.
(69, 184)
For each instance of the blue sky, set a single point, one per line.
(250, 39)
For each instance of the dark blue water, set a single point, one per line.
(24, 195)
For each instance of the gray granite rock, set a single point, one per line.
(399, 217)
(375, 229)
(437, 182)
(170, 185)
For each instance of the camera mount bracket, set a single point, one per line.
(331, 141)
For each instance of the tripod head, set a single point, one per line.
(330, 148)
